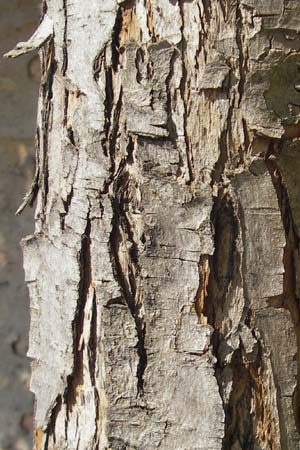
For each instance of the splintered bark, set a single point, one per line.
(164, 269)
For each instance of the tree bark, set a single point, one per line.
(164, 269)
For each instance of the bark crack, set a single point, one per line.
(289, 299)
(184, 89)
(65, 45)
(75, 381)
(123, 246)
(242, 60)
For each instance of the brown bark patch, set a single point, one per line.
(201, 294)
(130, 28)
(38, 439)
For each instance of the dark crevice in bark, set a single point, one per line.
(65, 44)
(140, 59)
(244, 426)
(92, 358)
(184, 88)
(44, 7)
(223, 272)
(49, 67)
(66, 105)
(247, 141)
(50, 431)
(122, 239)
(119, 444)
(150, 21)
(247, 426)
(108, 104)
(171, 127)
(128, 286)
(75, 381)
(92, 343)
(222, 262)
(70, 133)
(98, 63)
(115, 41)
(48, 70)
(238, 417)
(242, 60)
(290, 299)
(112, 126)
(207, 10)
(66, 204)
(225, 143)
(219, 167)
(97, 419)
(46, 120)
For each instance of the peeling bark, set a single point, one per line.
(164, 269)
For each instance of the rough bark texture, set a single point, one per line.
(164, 270)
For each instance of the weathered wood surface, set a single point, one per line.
(164, 269)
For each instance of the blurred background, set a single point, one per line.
(19, 82)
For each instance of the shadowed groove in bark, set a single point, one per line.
(290, 300)
(75, 380)
(219, 278)
(241, 421)
(150, 21)
(50, 431)
(65, 45)
(170, 122)
(184, 88)
(129, 291)
(66, 204)
(242, 61)
(122, 234)
(110, 141)
(92, 348)
(240, 426)
(247, 377)
(49, 67)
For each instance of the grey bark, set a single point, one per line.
(164, 269)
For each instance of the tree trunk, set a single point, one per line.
(164, 269)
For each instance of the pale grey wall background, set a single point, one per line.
(18, 100)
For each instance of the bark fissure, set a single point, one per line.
(184, 90)
(242, 52)
(122, 235)
(289, 299)
(50, 431)
(46, 120)
(65, 36)
(75, 380)
(111, 140)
